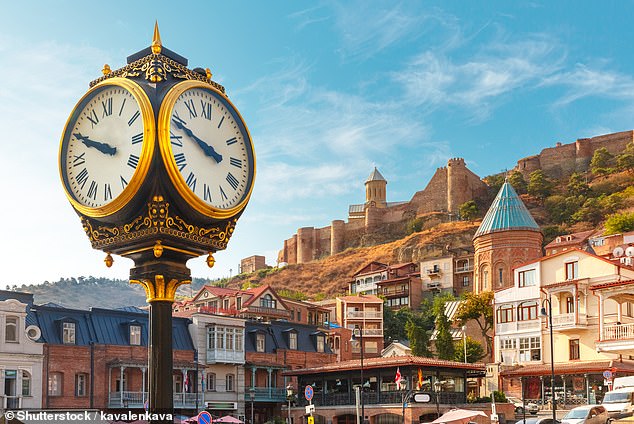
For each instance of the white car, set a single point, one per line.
(587, 414)
(531, 407)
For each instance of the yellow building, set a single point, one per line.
(568, 280)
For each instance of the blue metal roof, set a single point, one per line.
(507, 212)
(276, 336)
(104, 326)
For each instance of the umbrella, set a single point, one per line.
(228, 419)
(458, 416)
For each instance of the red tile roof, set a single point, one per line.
(572, 367)
(366, 298)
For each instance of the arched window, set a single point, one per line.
(26, 383)
(527, 311)
(267, 301)
(11, 329)
(505, 314)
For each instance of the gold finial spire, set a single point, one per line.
(156, 40)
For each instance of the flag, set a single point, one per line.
(397, 379)
(186, 382)
(419, 386)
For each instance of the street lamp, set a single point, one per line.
(289, 397)
(549, 314)
(405, 395)
(357, 336)
(437, 389)
(252, 397)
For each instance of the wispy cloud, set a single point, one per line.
(306, 17)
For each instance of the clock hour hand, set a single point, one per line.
(207, 149)
(102, 147)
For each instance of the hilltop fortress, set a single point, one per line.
(450, 187)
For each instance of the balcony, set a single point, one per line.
(562, 322)
(433, 271)
(265, 394)
(364, 314)
(136, 400)
(617, 338)
(514, 326)
(265, 311)
(397, 292)
(224, 356)
(219, 311)
(373, 332)
(462, 269)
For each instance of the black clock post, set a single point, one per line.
(154, 217)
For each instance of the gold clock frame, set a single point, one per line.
(145, 160)
(165, 146)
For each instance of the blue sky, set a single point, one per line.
(328, 90)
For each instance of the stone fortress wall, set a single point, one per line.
(449, 187)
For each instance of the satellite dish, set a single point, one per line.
(629, 251)
(618, 252)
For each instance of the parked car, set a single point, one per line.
(619, 402)
(587, 414)
(538, 421)
(531, 407)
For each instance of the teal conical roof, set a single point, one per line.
(507, 212)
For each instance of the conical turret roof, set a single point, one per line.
(375, 176)
(507, 212)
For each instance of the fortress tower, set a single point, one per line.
(507, 237)
(375, 190)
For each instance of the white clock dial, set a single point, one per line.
(103, 146)
(211, 148)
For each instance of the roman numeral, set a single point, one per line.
(232, 141)
(206, 193)
(189, 104)
(233, 182)
(137, 138)
(176, 140)
(222, 193)
(107, 192)
(79, 160)
(82, 177)
(134, 117)
(221, 119)
(122, 105)
(92, 117)
(124, 183)
(235, 162)
(133, 161)
(206, 109)
(180, 160)
(191, 181)
(107, 107)
(92, 190)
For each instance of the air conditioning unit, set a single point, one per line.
(627, 260)
(221, 405)
(434, 285)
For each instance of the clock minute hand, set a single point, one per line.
(102, 147)
(207, 149)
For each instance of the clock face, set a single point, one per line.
(207, 148)
(104, 146)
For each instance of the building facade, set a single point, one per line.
(363, 312)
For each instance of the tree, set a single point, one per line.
(444, 340)
(560, 209)
(619, 223)
(578, 185)
(516, 179)
(601, 161)
(394, 324)
(591, 211)
(418, 339)
(478, 308)
(494, 182)
(469, 210)
(625, 161)
(539, 185)
(475, 352)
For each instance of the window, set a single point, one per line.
(135, 335)
(371, 347)
(211, 382)
(570, 304)
(11, 329)
(572, 269)
(573, 346)
(260, 342)
(505, 314)
(238, 303)
(530, 349)
(26, 384)
(485, 279)
(267, 301)
(500, 277)
(292, 340)
(220, 337)
(320, 343)
(55, 381)
(230, 379)
(225, 304)
(527, 311)
(238, 342)
(527, 278)
(68, 333)
(299, 315)
(507, 344)
(80, 384)
(465, 281)
(229, 338)
(211, 338)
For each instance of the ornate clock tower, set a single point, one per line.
(159, 165)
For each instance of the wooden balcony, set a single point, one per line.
(617, 338)
(137, 399)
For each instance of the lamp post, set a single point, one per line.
(437, 388)
(252, 397)
(357, 335)
(405, 395)
(289, 398)
(549, 314)
(464, 342)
